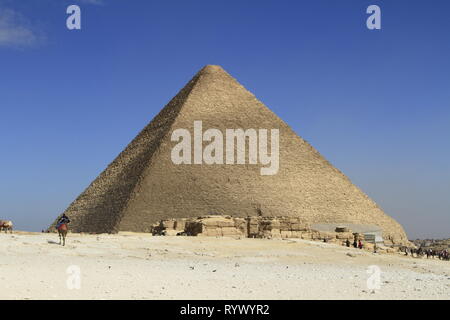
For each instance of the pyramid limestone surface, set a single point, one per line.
(142, 185)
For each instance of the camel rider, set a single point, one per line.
(63, 220)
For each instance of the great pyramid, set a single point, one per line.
(143, 186)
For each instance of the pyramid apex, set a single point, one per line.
(210, 68)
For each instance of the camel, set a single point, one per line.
(6, 225)
(62, 232)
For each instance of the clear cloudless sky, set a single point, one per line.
(375, 103)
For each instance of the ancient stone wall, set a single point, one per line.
(256, 227)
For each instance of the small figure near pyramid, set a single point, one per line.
(143, 185)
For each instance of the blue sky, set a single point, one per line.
(375, 103)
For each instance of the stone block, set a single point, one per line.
(286, 234)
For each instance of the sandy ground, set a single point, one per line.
(139, 266)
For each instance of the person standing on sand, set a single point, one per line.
(360, 244)
(347, 243)
(355, 244)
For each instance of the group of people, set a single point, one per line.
(443, 255)
(430, 253)
(356, 244)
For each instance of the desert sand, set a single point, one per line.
(141, 266)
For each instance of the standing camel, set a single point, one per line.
(62, 232)
(6, 225)
(62, 228)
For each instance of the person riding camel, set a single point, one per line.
(63, 220)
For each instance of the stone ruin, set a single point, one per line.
(256, 227)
